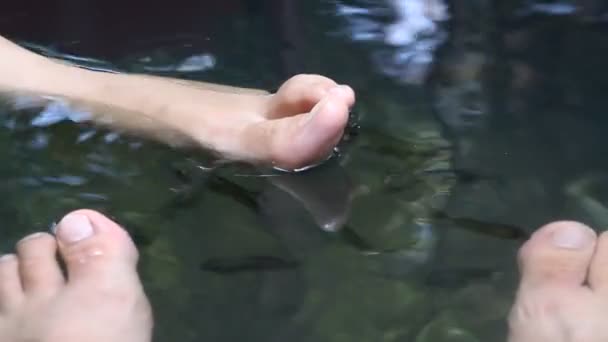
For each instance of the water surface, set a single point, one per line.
(475, 124)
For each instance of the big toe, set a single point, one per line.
(558, 254)
(309, 138)
(554, 265)
(96, 251)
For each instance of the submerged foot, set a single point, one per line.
(100, 300)
(563, 294)
(301, 124)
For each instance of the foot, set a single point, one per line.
(563, 294)
(100, 300)
(299, 126)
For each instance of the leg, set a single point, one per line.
(294, 128)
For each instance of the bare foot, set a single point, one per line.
(101, 299)
(300, 125)
(295, 128)
(563, 294)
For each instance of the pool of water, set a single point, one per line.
(475, 124)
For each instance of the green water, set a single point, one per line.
(239, 253)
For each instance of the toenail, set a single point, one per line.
(31, 237)
(8, 257)
(74, 228)
(571, 237)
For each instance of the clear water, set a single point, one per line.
(475, 127)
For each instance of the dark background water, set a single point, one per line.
(519, 94)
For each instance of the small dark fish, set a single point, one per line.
(197, 181)
(239, 193)
(464, 176)
(248, 264)
(351, 237)
(500, 230)
(455, 278)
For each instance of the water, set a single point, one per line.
(477, 124)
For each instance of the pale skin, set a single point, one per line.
(294, 128)
(563, 294)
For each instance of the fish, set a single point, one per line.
(256, 263)
(494, 229)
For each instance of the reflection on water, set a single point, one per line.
(408, 43)
(476, 122)
(159, 62)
